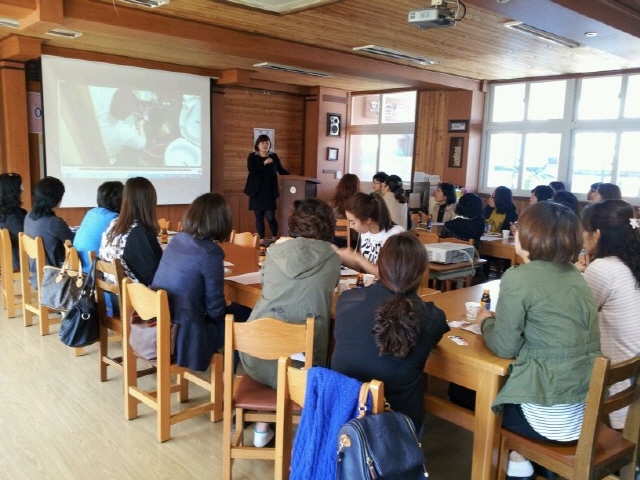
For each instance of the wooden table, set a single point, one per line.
(245, 260)
(499, 248)
(473, 366)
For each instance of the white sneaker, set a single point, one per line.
(261, 439)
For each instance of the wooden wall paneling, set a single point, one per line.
(218, 159)
(311, 135)
(246, 109)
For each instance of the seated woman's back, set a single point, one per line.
(386, 332)
(11, 214)
(43, 222)
(132, 237)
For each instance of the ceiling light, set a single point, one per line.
(61, 32)
(590, 34)
(395, 54)
(542, 34)
(289, 69)
(281, 6)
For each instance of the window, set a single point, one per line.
(381, 134)
(579, 131)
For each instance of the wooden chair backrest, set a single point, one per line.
(105, 271)
(163, 223)
(147, 303)
(31, 248)
(6, 253)
(244, 239)
(599, 405)
(294, 384)
(343, 230)
(269, 338)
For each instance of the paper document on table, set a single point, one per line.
(247, 278)
(470, 327)
(228, 264)
(344, 271)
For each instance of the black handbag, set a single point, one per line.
(81, 326)
(60, 287)
(382, 447)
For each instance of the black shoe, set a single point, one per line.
(544, 472)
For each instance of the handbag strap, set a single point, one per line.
(362, 400)
(90, 281)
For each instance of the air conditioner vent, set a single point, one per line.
(289, 69)
(60, 32)
(9, 22)
(147, 3)
(542, 34)
(395, 54)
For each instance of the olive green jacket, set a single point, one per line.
(547, 318)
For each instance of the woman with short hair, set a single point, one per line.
(192, 272)
(547, 318)
(385, 331)
(445, 203)
(469, 220)
(96, 221)
(11, 212)
(369, 216)
(43, 222)
(606, 191)
(132, 236)
(347, 186)
(298, 280)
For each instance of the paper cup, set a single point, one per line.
(343, 285)
(472, 309)
(369, 279)
(505, 234)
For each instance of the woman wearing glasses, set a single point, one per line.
(501, 212)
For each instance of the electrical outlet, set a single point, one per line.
(338, 174)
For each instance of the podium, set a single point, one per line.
(294, 187)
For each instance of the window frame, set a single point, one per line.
(567, 127)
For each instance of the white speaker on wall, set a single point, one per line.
(334, 124)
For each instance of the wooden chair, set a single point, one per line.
(164, 224)
(268, 339)
(343, 230)
(179, 226)
(9, 276)
(600, 450)
(155, 304)
(33, 248)
(292, 385)
(244, 239)
(110, 321)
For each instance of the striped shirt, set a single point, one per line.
(561, 422)
(614, 288)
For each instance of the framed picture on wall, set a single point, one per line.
(456, 151)
(270, 132)
(458, 126)
(332, 154)
(334, 124)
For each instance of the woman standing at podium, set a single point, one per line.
(262, 184)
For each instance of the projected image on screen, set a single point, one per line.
(111, 122)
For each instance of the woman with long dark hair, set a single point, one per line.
(369, 216)
(386, 331)
(611, 268)
(43, 222)
(132, 237)
(394, 197)
(501, 212)
(262, 184)
(11, 212)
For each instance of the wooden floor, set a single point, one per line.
(58, 421)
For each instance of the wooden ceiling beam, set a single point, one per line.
(20, 48)
(168, 32)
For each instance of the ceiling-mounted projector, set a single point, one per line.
(432, 17)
